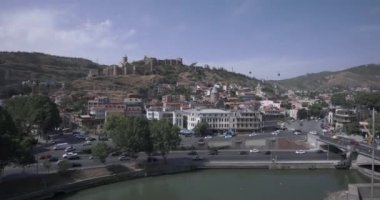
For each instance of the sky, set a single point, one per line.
(272, 39)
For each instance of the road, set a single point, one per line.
(181, 156)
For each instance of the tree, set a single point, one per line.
(131, 134)
(8, 139)
(352, 128)
(164, 136)
(201, 128)
(315, 110)
(339, 99)
(302, 114)
(28, 111)
(100, 150)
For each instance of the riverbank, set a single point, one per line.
(51, 185)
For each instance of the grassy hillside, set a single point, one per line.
(360, 76)
(20, 66)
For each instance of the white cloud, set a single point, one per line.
(42, 31)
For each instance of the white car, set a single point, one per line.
(297, 133)
(300, 151)
(86, 143)
(254, 151)
(67, 155)
(227, 136)
(313, 132)
(208, 137)
(274, 133)
(252, 134)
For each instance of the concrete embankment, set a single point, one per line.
(269, 165)
(64, 189)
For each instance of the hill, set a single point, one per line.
(364, 76)
(21, 66)
(16, 67)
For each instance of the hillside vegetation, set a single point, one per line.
(364, 76)
(16, 67)
(21, 66)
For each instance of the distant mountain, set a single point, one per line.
(364, 76)
(21, 66)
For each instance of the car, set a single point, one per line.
(43, 157)
(116, 153)
(76, 165)
(313, 132)
(320, 151)
(61, 146)
(267, 153)
(243, 153)
(213, 152)
(208, 137)
(254, 151)
(297, 133)
(90, 139)
(67, 155)
(151, 159)
(53, 159)
(192, 153)
(76, 157)
(197, 158)
(86, 143)
(274, 133)
(252, 134)
(227, 136)
(70, 149)
(300, 151)
(124, 158)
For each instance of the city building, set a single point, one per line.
(342, 117)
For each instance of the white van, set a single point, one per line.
(61, 146)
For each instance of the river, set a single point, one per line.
(228, 185)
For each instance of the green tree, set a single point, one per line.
(164, 136)
(201, 128)
(131, 134)
(339, 99)
(29, 111)
(302, 114)
(100, 151)
(8, 139)
(315, 110)
(352, 128)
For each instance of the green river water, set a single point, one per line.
(228, 185)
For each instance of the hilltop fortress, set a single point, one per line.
(126, 68)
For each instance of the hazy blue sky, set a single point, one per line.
(290, 37)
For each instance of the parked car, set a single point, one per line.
(67, 155)
(90, 139)
(116, 153)
(227, 136)
(53, 159)
(86, 143)
(76, 165)
(70, 149)
(254, 151)
(43, 157)
(208, 137)
(61, 146)
(124, 158)
(151, 159)
(267, 153)
(300, 151)
(213, 152)
(197, 158)
(252, 134)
